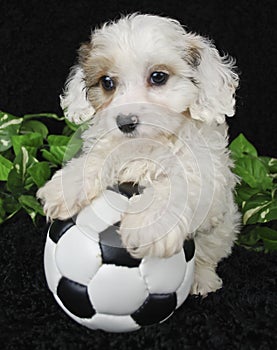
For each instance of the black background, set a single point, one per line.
(39, 39)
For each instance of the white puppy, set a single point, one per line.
(157, 98)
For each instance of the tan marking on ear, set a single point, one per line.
(193, 56)
(98, 98)
(84, 52)
(95, 66)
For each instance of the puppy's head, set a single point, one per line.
(147, 70)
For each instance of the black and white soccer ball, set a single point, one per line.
(95, 280)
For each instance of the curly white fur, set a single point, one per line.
(177, 151)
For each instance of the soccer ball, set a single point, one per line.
(95, 280)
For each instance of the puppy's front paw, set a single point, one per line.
(61, 199)
(142, 237)
(206, 281)
(52, 198)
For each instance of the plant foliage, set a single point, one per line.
(28, 157)
(256, 195)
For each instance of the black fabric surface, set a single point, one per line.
(242, 315)
(38, 42)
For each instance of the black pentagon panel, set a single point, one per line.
(127, 189)
(189, 249)
(112, 250)
(74, 297)
(156, 308)
(58, 228)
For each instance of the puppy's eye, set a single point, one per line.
(158, 78)
(107, 83)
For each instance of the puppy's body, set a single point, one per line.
(157, 97)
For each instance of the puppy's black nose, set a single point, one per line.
(127, 123)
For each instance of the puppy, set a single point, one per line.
(155, 98)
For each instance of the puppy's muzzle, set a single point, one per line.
(127, 123)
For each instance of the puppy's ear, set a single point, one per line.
(215, 79)
(74, 102)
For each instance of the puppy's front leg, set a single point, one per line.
(71, 188)
(155, 223)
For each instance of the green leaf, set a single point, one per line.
(43, 115)
(30, 202)
(34, 126)
(40, 173)
(270, 163)
(269, 237)
(71, 126)
(73, 147)
(15, 182)
(58, 152)
(22, 161)
(30, 141)
(259, 238)
(253, 172)
(250, 238)
(244, 192)
(240, 146)
(58, 147)
(76, 141)
(5, 167)
(9, 126)
(10, 204)
(260, 208)
(31, 205)
(62, 148)
(273, 165)
(58, 140)
(18, 179)
(50, 157)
